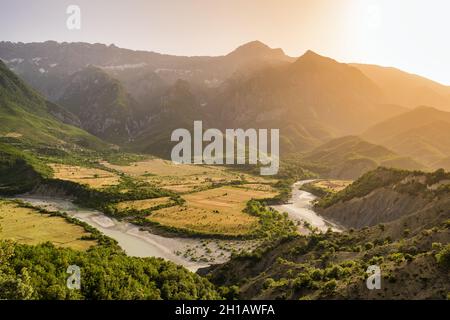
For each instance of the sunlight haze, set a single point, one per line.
(388, 33)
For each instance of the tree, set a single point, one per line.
(13, 286)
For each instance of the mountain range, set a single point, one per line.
(350, 156)
(136, 99)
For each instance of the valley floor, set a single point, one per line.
(191, 252)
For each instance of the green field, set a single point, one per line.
(28, 226)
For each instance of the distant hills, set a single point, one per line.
(312, 100)
(137, 98)
(101, 103)
(349, 157)
(422, 133)
(177, 107)
(41, 64)
(407, 89)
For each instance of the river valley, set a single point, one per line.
(192, 253)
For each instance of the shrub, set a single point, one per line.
(376, 260)
(268, 283)
(317, 274)
(303, 281)
(368, 245)
(397, 257)
(436, 246)
(334, 272)
(443, 257)
(409, 257)
(447, 224)
(330, 286)
(406, 232)
(229, 293)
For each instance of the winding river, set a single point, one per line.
(131, 239)
(299, 209)
(139, 243)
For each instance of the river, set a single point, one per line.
(139, 243)
(131, 239)
(299, 209)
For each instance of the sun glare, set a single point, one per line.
(392, 33)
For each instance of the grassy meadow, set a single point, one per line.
(28, 226)
(213, 211)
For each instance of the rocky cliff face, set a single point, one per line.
(104, 108)
(380, 206)
(403, 195)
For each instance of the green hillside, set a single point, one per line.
(32, 131)
(349, 157)
(28, 121)
(19, 172)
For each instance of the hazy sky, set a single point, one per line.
(412, 35)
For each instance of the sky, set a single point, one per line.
(412, 35)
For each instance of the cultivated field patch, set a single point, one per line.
(93, 177)
(213, 211)
(257, 187)
(28, 226)
(161, 167)
(143, 204)
(183, 178)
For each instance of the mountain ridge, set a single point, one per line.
(422, 133)
(312, 98)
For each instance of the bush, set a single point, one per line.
(317, 274)
(330, 286)
(303, 281)
(268, 283)
(409, 257)
(376, 260)
(406, 232)
(397, 257)
(447, 224)
(334, 272)
(230, 293)
(443, 257)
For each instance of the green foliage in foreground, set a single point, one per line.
(39, 272)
